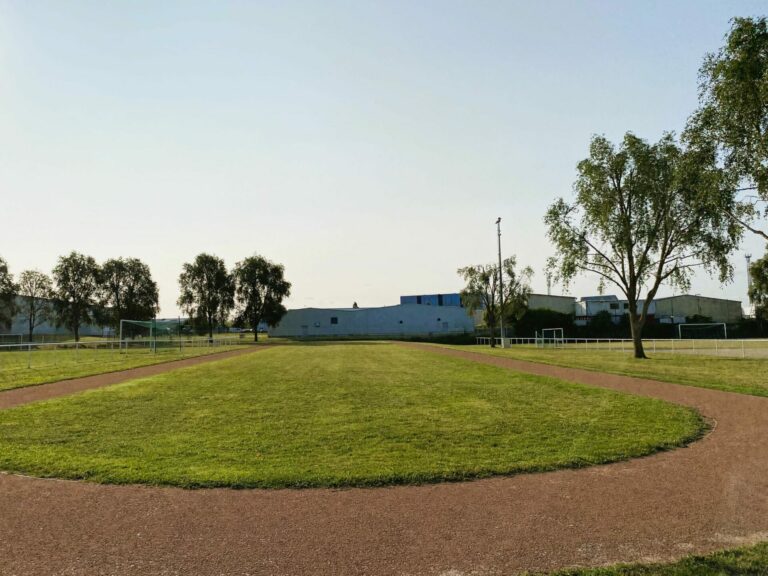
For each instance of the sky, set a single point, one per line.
(367, 146)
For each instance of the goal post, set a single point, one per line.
(11, 338)
(703, 330)
(551, 338)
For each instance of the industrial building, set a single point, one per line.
(452, 299)
(400, 321)
(668, 310)
(674, 309)
(561, 304)
(20, 325)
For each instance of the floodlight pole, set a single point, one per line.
(501, 285)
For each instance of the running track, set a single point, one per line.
(713, 494)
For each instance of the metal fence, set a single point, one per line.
(37, 355)
(734, 348)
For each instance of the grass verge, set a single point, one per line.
(748, 561)
(742, 375)
(65, 364)
(334, 415)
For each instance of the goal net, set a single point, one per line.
(11, 339)
(151, 334)
(701, 331)
(551, 338)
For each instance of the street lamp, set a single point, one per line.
(501, 285)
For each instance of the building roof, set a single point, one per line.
(603, 298)
(677, 296)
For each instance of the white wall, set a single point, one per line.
(394, 321)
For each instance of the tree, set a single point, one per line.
(207, 291)
(7, 295)
(259, 291)
(482, 291)
(643, 215)
(127, 290)
(758, 290)
(733, 112)
(35, 291)
(77, 281)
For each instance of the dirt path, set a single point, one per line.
(713, 494)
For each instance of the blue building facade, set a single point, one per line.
(433, 299)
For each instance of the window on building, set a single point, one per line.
(418, 299)
(614, 305)
(334, 320)
(626, 306)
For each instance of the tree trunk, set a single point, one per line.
(637, 336)
(492, 327)
(255, 334)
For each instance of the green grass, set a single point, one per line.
(49, 364)
(743, 375)
(749, 561)
(334, 415)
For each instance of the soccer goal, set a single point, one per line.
(704, 330)
(150, 334)
(11, 338)
(551, 338)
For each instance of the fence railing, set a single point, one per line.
(35, 354)
(753, 347)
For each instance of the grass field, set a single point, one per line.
(334, 415)
(743, 375)
(51, 364)
(749, 561)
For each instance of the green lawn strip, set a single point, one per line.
(55, 365)
(742, 375)
(749, 561)
(335, 415)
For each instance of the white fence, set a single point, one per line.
(754, 348)
(37, 355)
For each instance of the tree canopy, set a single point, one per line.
(732, 115)
(207, 291)
(758, 290)
(260, 287)
(482, 288)
(77, 282)
(127, 291)
(643, 215)
(7, 295)
(35, 291)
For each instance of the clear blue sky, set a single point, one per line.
(369, 147)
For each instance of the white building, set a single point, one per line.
(589, 306)
(401, 321)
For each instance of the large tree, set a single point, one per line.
(7, 295)
(260, 287)
(35, 294)
(758, 289)
(127, 291)
(733, 114)
(644, 214)
(77, 283)
(481, 292)
(207, 291)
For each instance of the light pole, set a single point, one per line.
(501, 285)
(748, 258)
